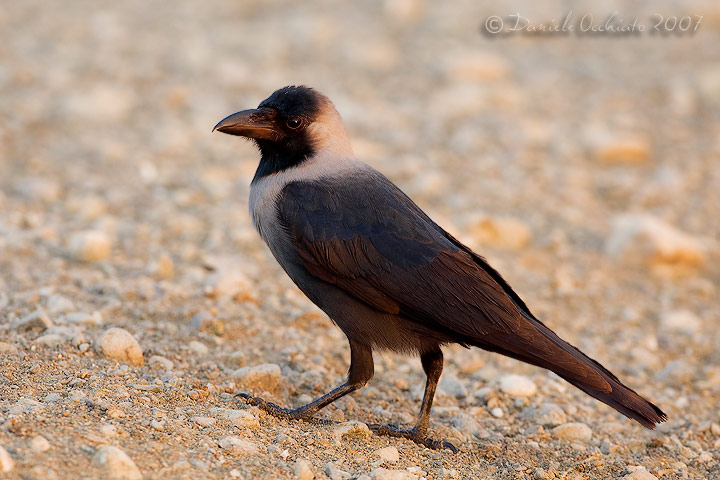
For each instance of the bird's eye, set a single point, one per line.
(294, 123)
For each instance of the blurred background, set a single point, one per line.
(586, 168)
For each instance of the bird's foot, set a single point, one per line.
(413, 434)
(301, 413)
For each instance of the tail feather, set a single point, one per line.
(540, 346)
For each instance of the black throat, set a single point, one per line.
(276, 157)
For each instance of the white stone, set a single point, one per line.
(239, 418)
(334, 473)
(304, 469)
(161, 363)
(448, 474)
(573, 431)
(52, 397)
(385, 474)
(108, 430)
(116, 464)
(162, 267)
(645, 238)
(388, 454)
(639, 473)
(37, 319)
(465, 423)
(90, 245)
(451, 385)
(497, 412)
(39, 444)
(49, 340)
(350, 430)
(683, 321)
(547, 415)
(8, 348)
(25, 405)
(203, 421)
(231, 283)
(6, 461)
(238, 446)
(198, 347)
(59, 304)
(518, 385)
(119, 344)
(265, 377)
(83, 318)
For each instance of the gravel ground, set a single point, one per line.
(585, 169)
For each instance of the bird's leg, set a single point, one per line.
(360, 372)
(432, 363)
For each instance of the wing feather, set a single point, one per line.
(390, 255)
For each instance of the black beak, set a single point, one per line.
(255, 123)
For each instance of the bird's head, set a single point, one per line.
(290, 126)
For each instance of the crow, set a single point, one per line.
(385, 273)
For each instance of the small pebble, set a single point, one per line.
(547, 415)
(203, 421)
(8, 349)
(6, 461)
(265, 377)
(573, 431)
(157, 425)
(244, 419)
(541, 474)
(385, 474)
(39, 444)
(94, 319)
(52, 397)
(108, 430)
(388, 454)
(517, 385)
(465, 423)
(351, 430)
(119, 344)
(448, 474)
(303, 469)
(36, 320)
(451, 385)
(50, 340)
(114, 412)
(57, 303)
(238, 446)
(640, 473)
(116, 464)
(198, 347)
(645, 238)
(334, 473)
(497, 412)
(90, 245)
(681, 321)
(160, 363)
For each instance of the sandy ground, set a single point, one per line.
(585, 169)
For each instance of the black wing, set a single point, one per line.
(367, 237)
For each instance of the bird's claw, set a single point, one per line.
(412, 434)
(284, 413)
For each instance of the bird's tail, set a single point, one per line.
(542, 347)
